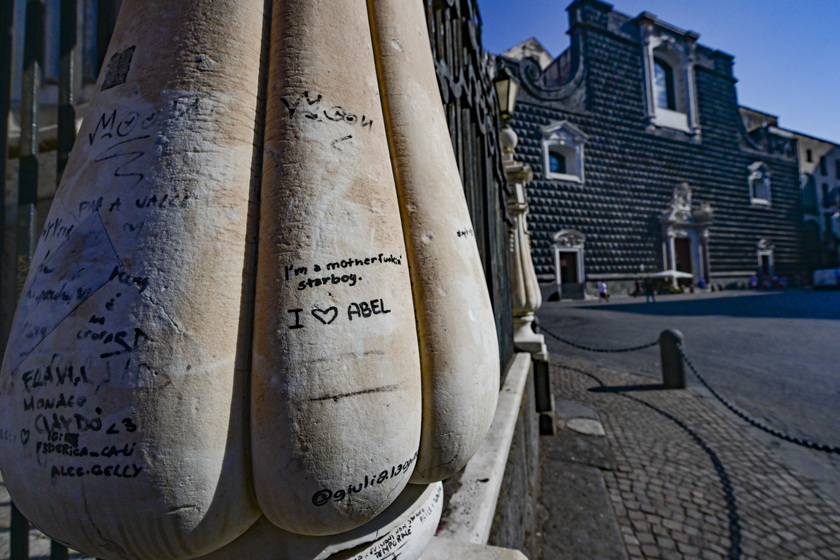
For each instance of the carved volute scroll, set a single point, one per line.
(569, 239)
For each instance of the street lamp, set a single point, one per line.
(507, 87)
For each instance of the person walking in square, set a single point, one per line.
(650, 292)
(603, 293)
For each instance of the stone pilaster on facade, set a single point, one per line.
(704, 251)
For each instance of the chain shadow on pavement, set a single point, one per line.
(726, 484)
(628, 388)
(769, 305)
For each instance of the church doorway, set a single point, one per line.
(685, 236)
(568, 267)
(682, 254)
(766, 267)
(568, 263)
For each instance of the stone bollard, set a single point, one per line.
(673, 368)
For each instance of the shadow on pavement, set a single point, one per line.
(628, 388)
(770, 305)
(727, 488)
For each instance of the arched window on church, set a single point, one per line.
(562, 147)
(668, 73)
(663, 85)
(759, 183)
(556, 161)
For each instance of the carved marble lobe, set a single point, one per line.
(401, 532)
(458, 346)
(336, 399)
(122, 393)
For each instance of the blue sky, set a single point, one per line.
(787, 52)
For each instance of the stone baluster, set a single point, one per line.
(526, 296)
(526, 291)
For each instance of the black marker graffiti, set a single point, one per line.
(359, 310)
(54, 375)
(326, 316)
(356, 262)
(364, 310)
(321, 497)
(73, 449)
(337, 140)
(109, 125)
(56, 228)
(306, 107)
(142, 282)
(133, 156)
(117, 471)
(349, 279)
(297, 313)
(294, 271)
(62, 401)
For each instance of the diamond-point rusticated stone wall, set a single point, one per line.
(632, 166)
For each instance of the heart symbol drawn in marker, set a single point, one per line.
(24, 436)
(326, 316)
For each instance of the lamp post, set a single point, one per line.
(507, 88)
(526, 296)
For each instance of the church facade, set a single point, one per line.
(642, 162)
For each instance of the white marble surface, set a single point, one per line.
(158, 362)
(445, 549)
(335, 394)
(401, 531)
(456, 329)
(471, 508)
(122, 418)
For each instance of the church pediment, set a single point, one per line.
(569, 238)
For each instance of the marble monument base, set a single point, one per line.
(402, 531)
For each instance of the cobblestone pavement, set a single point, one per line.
(689, 481)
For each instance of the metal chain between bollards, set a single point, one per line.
(605, 350)
(741, 414)
(735, 410)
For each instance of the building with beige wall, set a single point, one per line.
(819, 174)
